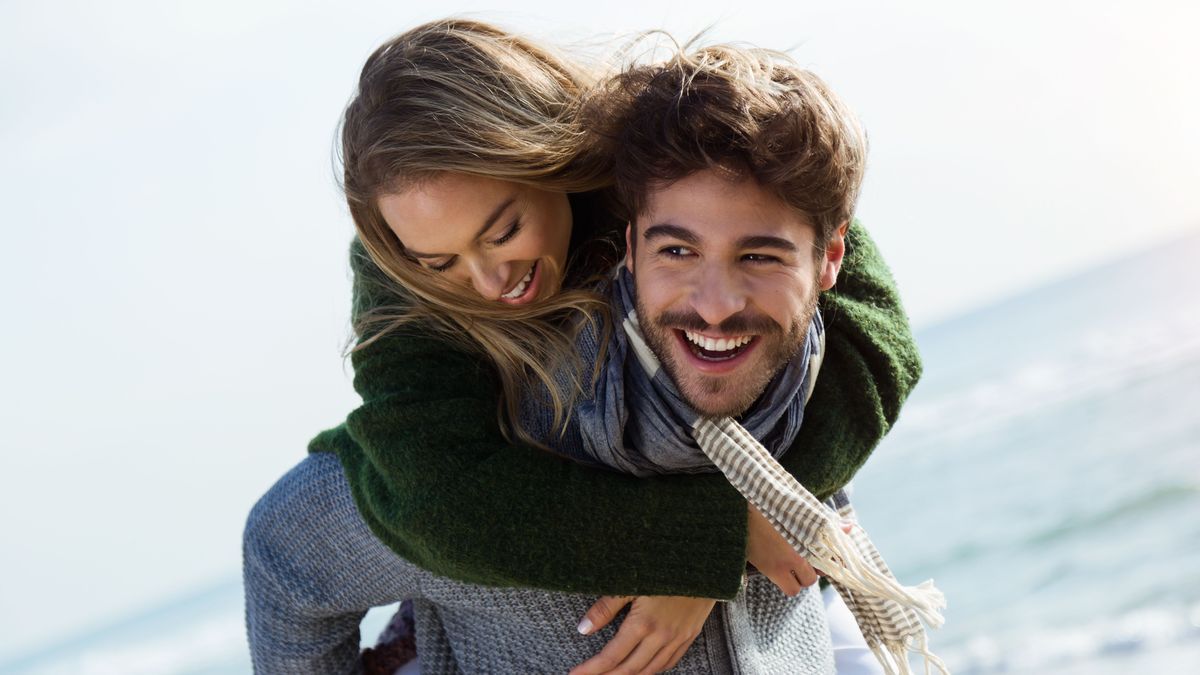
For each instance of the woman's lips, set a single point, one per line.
(526, 289)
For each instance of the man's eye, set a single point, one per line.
(759, 258)
(675, 251)
(509, 234)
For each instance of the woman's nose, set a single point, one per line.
(489, 280)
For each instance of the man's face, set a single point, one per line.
(726, 277)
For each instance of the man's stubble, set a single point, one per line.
(782, 346)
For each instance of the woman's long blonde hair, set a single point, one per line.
(465, 97)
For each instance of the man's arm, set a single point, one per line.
(311, 570)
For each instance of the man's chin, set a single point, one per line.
(725, 394)
(719, 396)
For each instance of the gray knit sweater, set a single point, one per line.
(312, 569)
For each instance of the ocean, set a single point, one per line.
(1046, 473)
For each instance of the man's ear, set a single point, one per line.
(835, 251)
(629, 246)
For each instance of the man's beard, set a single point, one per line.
(726, 396)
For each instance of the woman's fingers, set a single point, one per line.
(639, 660)
(656, 628)
(663, 659)
(674, 660)
(602, 612)
(772, 555)
(627, 639)
(804, 574)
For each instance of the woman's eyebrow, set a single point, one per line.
(487, 225)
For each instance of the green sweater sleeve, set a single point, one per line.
(436, 481)
(871, 365)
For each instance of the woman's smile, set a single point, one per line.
(525, 290)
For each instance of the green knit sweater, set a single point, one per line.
(436, 481)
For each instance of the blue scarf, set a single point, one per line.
(636, 421)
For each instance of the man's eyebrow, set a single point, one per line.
(672, 231)
(766, 241)
(487, 225)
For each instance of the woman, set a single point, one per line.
(430, 472)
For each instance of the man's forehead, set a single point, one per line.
(708, 206)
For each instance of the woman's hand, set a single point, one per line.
(768, 551)
(653, 637)
(774, 556)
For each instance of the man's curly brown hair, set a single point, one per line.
(748, 113)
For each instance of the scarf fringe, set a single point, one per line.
(893, 656)
(849, 560)
(840, 561)
(835, 552)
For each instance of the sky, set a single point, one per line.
(174, 243)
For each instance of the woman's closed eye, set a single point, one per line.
(511, 232)
(440, 267)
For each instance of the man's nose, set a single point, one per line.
(718, 294)
(489, 280)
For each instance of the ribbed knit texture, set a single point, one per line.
(437, 483)
(312, 568)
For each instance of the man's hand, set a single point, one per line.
(774, 556)
(653, 637)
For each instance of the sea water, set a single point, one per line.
(1046, 473)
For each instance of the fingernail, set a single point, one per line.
(585, 626)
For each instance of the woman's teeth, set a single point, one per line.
(519, 289)
(722, 345)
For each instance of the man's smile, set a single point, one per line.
(714, 355)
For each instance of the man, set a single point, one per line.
(729, 244)
(730, 237)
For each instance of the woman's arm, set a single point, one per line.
(436, 482)
(871, 365)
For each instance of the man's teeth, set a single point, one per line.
(721, 345)
(519, 290)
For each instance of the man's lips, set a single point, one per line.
(718, 354)
(720, 346)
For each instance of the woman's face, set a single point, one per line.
(505, 241)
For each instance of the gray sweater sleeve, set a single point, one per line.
(311, 570)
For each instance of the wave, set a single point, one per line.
(1158, 498)
(970, 549)
(1052, 649)
(1097, 362)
